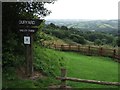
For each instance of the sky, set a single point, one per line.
(83, 9)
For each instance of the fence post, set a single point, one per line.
(114, 53)
(69, 47)
(101, 51)
(78, 47)
(55, 46)
(62, 47)
(63, 75)
(89, 50)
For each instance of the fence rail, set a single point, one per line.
(90, 50)
(64, 78)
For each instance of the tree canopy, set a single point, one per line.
(11, 37)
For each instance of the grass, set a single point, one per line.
(87, 67)
(77, 65)
(11, 80)
(41, 83)
(45, 60)
(91, 67)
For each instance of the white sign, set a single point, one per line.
(26, 39)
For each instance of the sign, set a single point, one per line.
(31, 30)
(30, 22)
(26, 26)
(26, 39)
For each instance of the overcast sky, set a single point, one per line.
(83, 9)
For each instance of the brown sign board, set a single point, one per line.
(30, 22)
(30, 30)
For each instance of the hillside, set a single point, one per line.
(48, 63)
(91, 25)
(106, 34)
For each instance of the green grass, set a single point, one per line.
(47, 60)
(90, 67)
(11, 80)
(26, 83)
(87, 67)
(78, 66)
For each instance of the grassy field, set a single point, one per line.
(77, 65)
(84, 67)
(90, 67)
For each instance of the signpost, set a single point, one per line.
(26, 27)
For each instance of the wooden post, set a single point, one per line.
(62, 47)
(101, 51)
(119, 54)
(78, 47)
(69, 47)
(55, 46)
(29, 57)
(27, 60)
(114, 53)
(26, 27)
(63, 75)
(89, 50)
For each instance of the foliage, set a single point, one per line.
(12, 39)
(13, 50)
(40, 36)
(105, 26)
(98, 42)
(64, 28)
(47, 61)
(80, 35)
(77, 38)
(118, 41)
(11, 81)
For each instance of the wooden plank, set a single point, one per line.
(89, 81)
(92, 50)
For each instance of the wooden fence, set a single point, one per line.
(64, 78)
(90, 50)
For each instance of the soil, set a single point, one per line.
(21, 74)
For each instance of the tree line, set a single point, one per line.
(82, 36)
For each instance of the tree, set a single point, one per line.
(64, 28)
(118, 41)
(52, 25)
(98, 42)
(11, 39)
(77, 38)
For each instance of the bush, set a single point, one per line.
(47, 61)
(78, 39)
